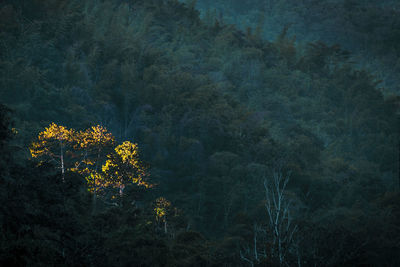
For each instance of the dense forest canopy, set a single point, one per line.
(165, 133)
(368, 28)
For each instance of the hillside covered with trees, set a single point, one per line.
(141, 133)
(369, 29)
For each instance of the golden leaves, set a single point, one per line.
(124, 166)
(128, 152)
(94, 181)
(37, 150)
(161, 208)
(55, 132)
(51, 138)
(96, 136)
(92, 156)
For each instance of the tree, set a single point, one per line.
(53, 143)
(123, 166)
(88, 150)
(280, 223)
(5, 132)
(93, 145)
(162, 210)
(274, 241)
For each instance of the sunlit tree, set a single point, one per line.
(161, 209)
(92, 146)
(92, 154)
(123, 166)
(52, 144)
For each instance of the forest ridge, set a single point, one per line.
(139, 133)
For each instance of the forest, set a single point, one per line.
(199, 133)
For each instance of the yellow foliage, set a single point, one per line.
(91, 145)
(89, 149)
(124, 166)
(94, 181)
(128, 153)
(161, 208)
(56, 132)
(96, 136)
(52, 138)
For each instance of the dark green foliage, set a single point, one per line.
(5, 131)
(369, 29)
(214, 111)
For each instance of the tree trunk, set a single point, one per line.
(62, 162)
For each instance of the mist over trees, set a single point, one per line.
(208, 133)
(368, 29)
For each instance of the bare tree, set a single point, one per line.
(273, 241)
(280, 224)
(256, 251)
